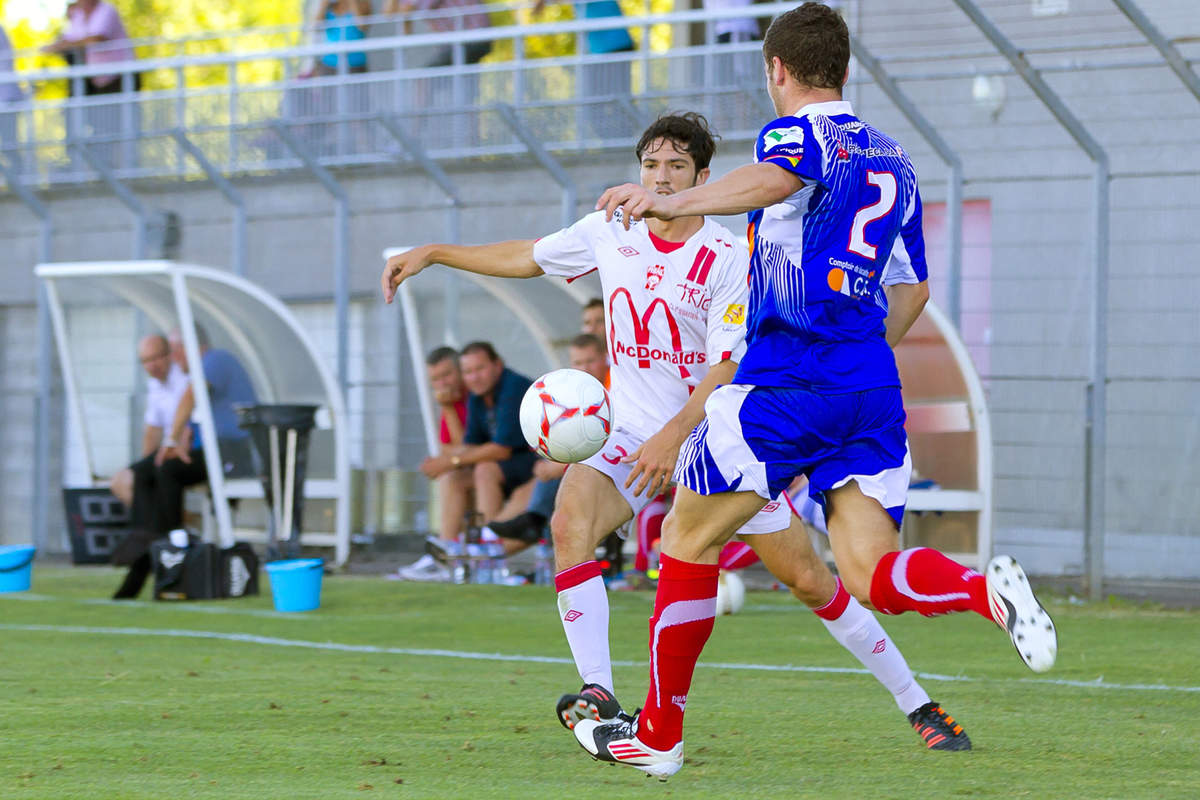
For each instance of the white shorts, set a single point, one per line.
(774, 517)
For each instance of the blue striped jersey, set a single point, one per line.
(819, 259)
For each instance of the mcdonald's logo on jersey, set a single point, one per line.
(641, 348)
(735, 314)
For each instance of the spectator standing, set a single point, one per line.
(607, 77)
(96, 22)
(474, 16)
(338, 20)
(95, 35)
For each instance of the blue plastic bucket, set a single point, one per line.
(16, 567)
(296, 583)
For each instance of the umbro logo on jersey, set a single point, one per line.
(627, 251)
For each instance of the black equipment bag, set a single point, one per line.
(239, 571)
(184, 573)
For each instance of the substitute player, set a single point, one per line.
(675, 303)
(837, 277)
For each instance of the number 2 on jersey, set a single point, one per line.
(886, 182)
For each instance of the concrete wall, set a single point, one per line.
(1036, 296)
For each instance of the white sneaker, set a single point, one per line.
(424, 569)
(1017, 611)
(617, 743)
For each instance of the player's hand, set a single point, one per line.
(402, 267)
(636, 201)
(655, 464)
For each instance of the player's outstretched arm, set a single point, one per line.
(905, 303)
(512, 259)
(745, 189)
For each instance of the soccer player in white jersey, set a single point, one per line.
(675, 308)
(837, 277)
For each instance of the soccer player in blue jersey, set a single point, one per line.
(837, 276)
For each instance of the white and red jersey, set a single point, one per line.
(671, 308)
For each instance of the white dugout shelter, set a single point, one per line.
(950, 504)
(280, 357)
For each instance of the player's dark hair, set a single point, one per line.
(481, 347)
(588, 340)
(595, 302)
(440, 354)
(688, 130)
(813, 43)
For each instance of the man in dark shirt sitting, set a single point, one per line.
(493, 445)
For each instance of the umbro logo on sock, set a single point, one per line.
(880, 646)
(572, 615)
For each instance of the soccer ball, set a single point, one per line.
(731, 593)
(565, 415)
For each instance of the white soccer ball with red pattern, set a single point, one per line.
(565, 415)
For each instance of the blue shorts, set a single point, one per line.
(759, 439)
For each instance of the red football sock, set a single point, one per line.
(736, 555)
(925, 581)
(684, 608)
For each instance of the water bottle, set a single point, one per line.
(458, 567)
(543, 571)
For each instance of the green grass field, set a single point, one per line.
(406, 690)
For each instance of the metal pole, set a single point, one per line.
(1170, 54)
(41, 425)
(232, 195)
(434, 171)
(127, 198)
(341, 245)
(548, 162)
(1096, 418)
(454, 204)
(950, 158)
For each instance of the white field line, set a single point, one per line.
(1099, 683)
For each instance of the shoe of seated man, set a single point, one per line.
(938, 729)
(617, 743)
(443, 550)
(424, 569)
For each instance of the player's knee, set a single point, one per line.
(569, 532)
(811, 584)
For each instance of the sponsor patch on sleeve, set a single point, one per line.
(789, 141)
(735, 314)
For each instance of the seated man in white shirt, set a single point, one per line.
(166, 382)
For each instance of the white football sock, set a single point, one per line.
(583, 609)
(859, 631)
